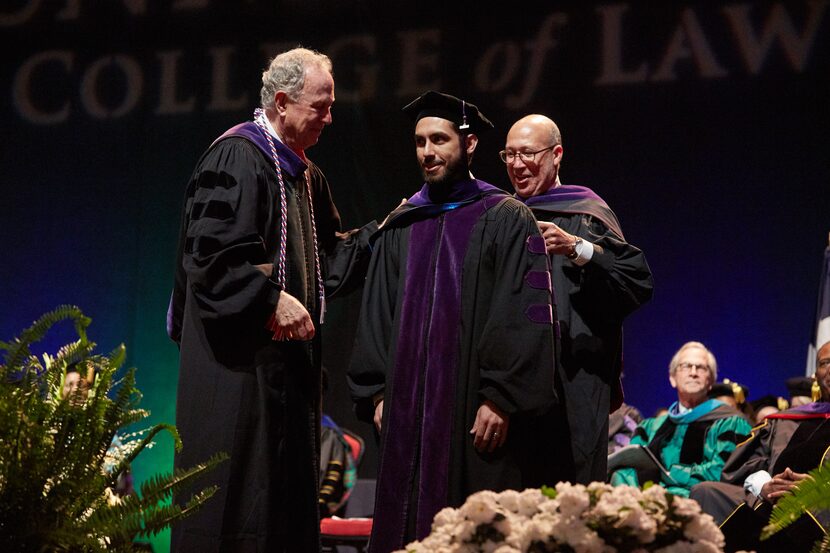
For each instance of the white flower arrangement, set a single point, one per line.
(598, 518)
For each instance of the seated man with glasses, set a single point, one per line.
(697, 435)
(598, 280)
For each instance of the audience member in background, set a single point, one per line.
(75, 390)
(660, 412)
(338, 468)
(768, 405)
(800, 390)
(621, 426)
(697, 435)
(735, 395)
(338, 471)
(767, 466)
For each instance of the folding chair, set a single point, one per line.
(353, 530)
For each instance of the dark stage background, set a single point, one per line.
(702, 124)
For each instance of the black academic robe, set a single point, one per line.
(798, 439)
(591, 303)
(456, 310)
(239, 391)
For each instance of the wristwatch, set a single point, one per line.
(574, 253)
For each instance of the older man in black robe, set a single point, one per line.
(259, 252)
(598, 279)
(455, 352)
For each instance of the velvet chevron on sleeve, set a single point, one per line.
(592, 302)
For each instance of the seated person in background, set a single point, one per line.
(800, 390)
(338, 469)
(697, 435)
(778, 454)
(621, 426)
(768, 405)
(75, 390)
(733, 395)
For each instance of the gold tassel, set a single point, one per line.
(737, 391)
(815, 390)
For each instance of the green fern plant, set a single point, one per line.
(812, 494)
(58, 466)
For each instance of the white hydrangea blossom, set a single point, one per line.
(509, 499)
(530, 517)
(703, 529)
(506, 549)
(573, 500)
(685, 507)
(480, 507)
(575, 533)
(706, 547)
(529, 502)
(677, 547)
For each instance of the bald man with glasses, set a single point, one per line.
(598, 279)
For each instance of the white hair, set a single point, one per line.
(710, 359)
(286, 73)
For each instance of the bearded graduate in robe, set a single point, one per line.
(454, 359)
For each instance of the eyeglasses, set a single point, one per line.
(687, 367)
(509, 157)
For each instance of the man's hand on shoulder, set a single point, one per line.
(291, 320)
(490, 427)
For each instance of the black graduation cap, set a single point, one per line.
(800, 386)
(437, 104)
(769, 401)
(729, 388)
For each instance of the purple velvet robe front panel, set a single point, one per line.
(420, 418)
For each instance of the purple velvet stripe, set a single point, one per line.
(574, 199)
(819, 407)
(174, 325)
(540, 313)
(564, 193)
(442, 370)
(539, 280)
(536, 244)
(290, 161)
(398, 456)
(425, 364)
(816, 408)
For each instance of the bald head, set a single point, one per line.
(539, 134)
(536, 122)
